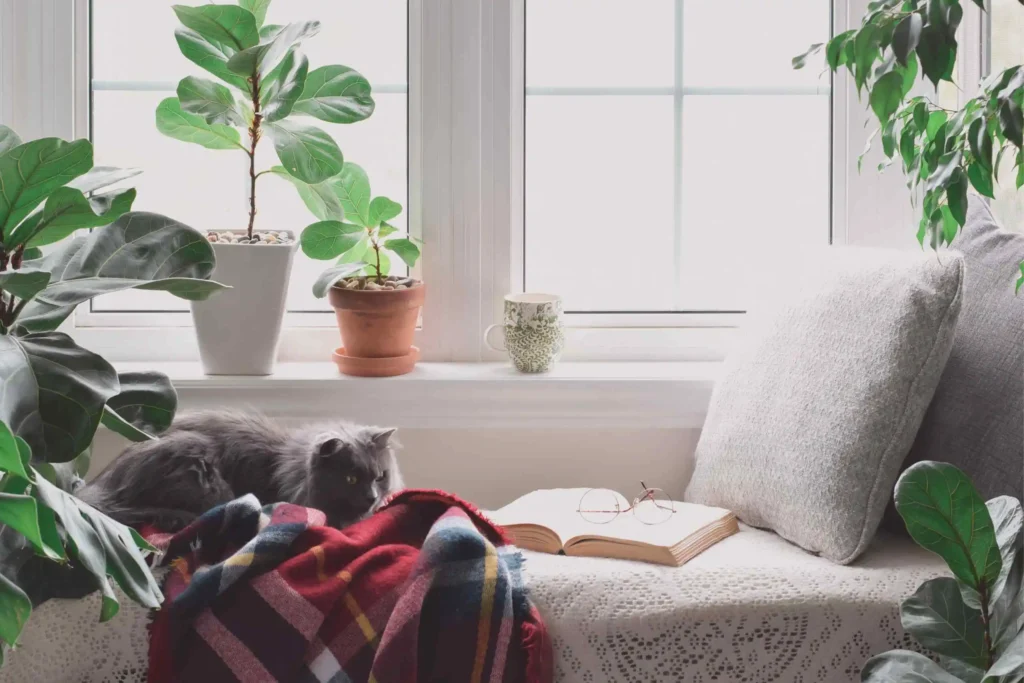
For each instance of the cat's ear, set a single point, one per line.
(329, 447)
(380, 438)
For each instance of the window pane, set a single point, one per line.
(1007, 17)
(207, 188)
(672, 198)
(585, 43)
(728, 43)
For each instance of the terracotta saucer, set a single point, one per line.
(375, 367)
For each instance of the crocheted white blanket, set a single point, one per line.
(752, 609)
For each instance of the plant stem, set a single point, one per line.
(986, 623)
(376, 249)
(254, 138)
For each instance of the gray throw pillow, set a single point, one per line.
(976, 420)
(813, 417)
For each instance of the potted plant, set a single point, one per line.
(942, 151)
(376, 311)
(56, 393)
(267, 85)
(973, 620)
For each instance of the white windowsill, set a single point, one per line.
(465, 395)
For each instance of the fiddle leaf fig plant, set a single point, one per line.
(266, 87)
(974, 620)
(55, 394)
(354, 230)
(942, 151)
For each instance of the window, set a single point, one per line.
(133, 70)
(1007, 49)
(671, 149)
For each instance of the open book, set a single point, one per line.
(547, 521)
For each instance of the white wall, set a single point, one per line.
(490, 467)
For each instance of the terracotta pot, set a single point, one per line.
(377, 323)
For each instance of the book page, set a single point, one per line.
(687, 520)
(555, 509)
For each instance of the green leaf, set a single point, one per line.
(144, 407)
(177, 259)
(386, 229)
(67, 210)
(210, 101)
(20, 513)
(865, 47)
(909, 76)
(332, 275)
(29, 173)
(357, 253)
(936, 616)
(336, 94)
(269, 31)
(1007, 599)
(101, 177)
(981, 143)
(956, 196)
(10, 455)
(307, 152)
(53, 393)
(330, 239)
(921, 117)
(8, 140)
(1012, 121)
(936, 52)
(834, 50)
(180, 125)
(353, 189)
(405, 248)
(1020, 280)
(908, 146)
(258, 9)
(903, 666)
(1009, 667)
(268, 54)
(104, 548)
(138, 251)
(15, 609)
(223, 25)
(25, 283)
(32, 253)
(320, 198)
(945, 514)
(213, 57)
(800, 61)
(1020, 169)
(936, 120)
(981, 179)
(383, 209)
(944, 170)
(906, 37)
(284, 85)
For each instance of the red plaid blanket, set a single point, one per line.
(424, 590)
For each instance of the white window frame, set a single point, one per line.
(466, 155)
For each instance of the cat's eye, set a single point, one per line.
(351, 479)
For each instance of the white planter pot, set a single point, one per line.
(239, 329)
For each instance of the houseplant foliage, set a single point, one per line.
(974, 620)
(353, 229)
(942, 152)
(55, 394)
(266, 87)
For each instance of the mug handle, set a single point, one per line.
(487, 334)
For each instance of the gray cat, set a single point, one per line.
(209, 458)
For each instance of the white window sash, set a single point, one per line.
(466, 156)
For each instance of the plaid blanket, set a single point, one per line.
(424, 590)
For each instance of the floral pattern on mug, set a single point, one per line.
(534, 335)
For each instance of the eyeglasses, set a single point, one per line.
(601, 506)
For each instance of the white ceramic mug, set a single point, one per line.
(533, 331)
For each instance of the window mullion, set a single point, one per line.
(677, 163)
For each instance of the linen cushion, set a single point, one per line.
(976, 420)
(814, 415)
